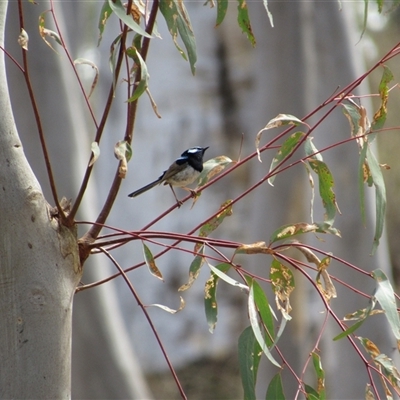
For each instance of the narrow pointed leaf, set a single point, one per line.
(144, 74)
(264, 309)
(120, 12)
(222, 7)
(210, 297)
(311, 151)
(380, 116)
(258, 331)
(286, 150)
(170, 310)
(244, 21)
(211, 225)
(227, 278)
(275, 388)
(105, 13)
(363, 316)
(320, 375)
(386, 298)
(380, 197)
(326, 192)
(150, 262)
(178, 21)
(194, 270)
(311, 393)
(249, 358)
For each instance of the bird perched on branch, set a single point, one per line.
(184, 171)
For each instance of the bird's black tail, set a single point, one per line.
(146, 188)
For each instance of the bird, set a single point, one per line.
(184, 171)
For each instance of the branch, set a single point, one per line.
(39, 123)
(94, 231)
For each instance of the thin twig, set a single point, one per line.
(95, 229)
(153, 328)
(39, 122)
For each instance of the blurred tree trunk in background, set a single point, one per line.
(237, 89)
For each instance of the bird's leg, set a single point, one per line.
(177, 201)
(193, 192)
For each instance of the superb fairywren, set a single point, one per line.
(184, 171)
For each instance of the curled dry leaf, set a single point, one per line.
(170, 310)
(96, 153)
(23, 39)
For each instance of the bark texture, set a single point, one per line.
(39, 270)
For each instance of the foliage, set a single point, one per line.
(293, 147)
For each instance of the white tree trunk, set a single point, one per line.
(39, 271)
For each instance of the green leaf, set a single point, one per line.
(150, 262)
(227, 278)
(222, 7)
(320, 375)
(144, 74)
(380, 197)
(311, 151)
(113, 56)
(194, 270)
(244, 21)
(212, 224)
(352, 113)
(258, 331)
(249, 358)
(178, 21)
(120, 12)
(210, 297)
(105, 13)
(365, 19)
(361, 179)
(279, 120)
(311, 393)
(275, 388)
(386, 298)
(326, 192)
(264, 309)
(380, 115)
(389, 368)
(364, 314)
(284, 152)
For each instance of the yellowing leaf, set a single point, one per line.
(215, 222)
(44, 32)
(279, 120)
(254, 248)
(150, 262)
(282, 281)
(194, 270)
(213, 167)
